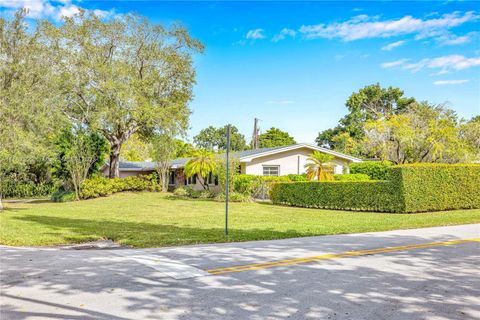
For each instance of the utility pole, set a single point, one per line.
(227, 182)
(255, 136)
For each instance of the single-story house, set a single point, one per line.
(277, 161)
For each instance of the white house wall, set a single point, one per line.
(290, 162)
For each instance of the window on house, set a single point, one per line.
(191, 180)
(171, 178)
(212, 179)
(271, 170)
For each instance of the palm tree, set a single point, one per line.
(319, 166)
(201, 164)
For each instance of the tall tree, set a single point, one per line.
(164, 147)
(274, 137)
(470, 133)
(137, 148)
(26, 95)
(369, 103)
(183, 149)
(68, 142)
(79, 159)
(123, 75)
(426, 133)
(214, 139)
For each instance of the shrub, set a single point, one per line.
(181, 192)
(234, 197)
(376, 170)
(297, 177)
(412, 188)
(63, 196)
(206, 194)
(194, 194)
(100, 186)
(355, 195)
(13, 189)
(256, 186)
(351, 177)
(433, 187)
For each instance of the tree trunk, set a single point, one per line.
(114, 161)
(1, 203)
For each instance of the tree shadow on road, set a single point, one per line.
(420, 284)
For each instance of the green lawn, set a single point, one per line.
(152, 219)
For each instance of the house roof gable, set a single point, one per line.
(249, 155)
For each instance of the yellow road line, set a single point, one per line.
(331, 256)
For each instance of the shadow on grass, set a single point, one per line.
(143, 234)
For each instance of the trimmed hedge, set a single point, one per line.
(354, 195)
(100, 186)
(13, 189)
(411, 188)
(435, 187)
(376, 170)
(351, 177)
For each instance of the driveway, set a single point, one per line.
(430, 273)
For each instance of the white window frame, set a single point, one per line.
(269, 168)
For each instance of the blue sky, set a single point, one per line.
(294, 64)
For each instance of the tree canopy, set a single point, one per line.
(214, 139)
(369, 103)
(123, 75)
(274, 137)
(426, 133)
(26, 97)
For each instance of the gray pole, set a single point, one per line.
(227, 184)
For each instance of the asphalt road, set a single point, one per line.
(424, 274)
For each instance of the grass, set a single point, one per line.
(152, 219)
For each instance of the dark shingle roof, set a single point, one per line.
(148, 165)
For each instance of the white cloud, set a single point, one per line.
(255, 34)
(363, 27)
(395, 63)
(393, 45)
(449, 82)
(38, 9)
(450, 39)
(283, 34)
(446, 64)
(68, 11)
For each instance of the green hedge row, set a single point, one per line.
(354, 195)
(376, 170)
(434, 187)
(13, 189)
(411, 188)
(351, 177)
(100, 186)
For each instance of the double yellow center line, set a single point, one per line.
(331, 256)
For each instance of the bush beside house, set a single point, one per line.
(14, 189)
(376, 170)
(100, 186)
(411, 188)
